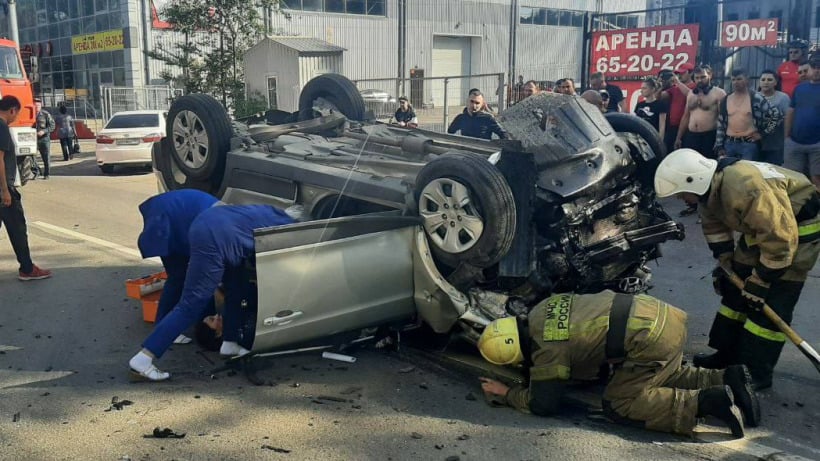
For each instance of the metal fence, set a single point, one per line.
(79, 107)
(435, 100)
(118, 99)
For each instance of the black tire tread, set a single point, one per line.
(629, 123)
(336, 88)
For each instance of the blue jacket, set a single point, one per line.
(478, 125)
(166, 220)
(225, 233)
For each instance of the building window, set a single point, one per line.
(361, 7)
(335, 6)
(375, 7)
(272, 102)
(754, 14)
(550, 17)
(817, 17)
(526, 15)
(732, 17)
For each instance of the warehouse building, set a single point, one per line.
(83, 46)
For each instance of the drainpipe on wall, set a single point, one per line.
(146, 40)
(402, 23)
(513, 40)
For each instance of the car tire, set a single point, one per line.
(478, 234)
(174, 178)
(200, 136)
(628, 123)
(107, 169)
(338, 91)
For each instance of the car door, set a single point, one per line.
(320, 278)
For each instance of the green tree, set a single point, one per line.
(251, 104)
(216, 33)
(183, 54)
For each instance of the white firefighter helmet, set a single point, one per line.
(684, 170)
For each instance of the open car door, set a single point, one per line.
(320, 278)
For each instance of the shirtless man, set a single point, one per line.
(744, 118)
(698, 126)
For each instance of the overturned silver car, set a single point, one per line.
(412, 224)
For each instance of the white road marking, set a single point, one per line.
(4, 348)
(21, 378)
(103, 243)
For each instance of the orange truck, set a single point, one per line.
(15, 82)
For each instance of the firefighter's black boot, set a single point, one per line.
(717, 401)
(738, 378)
(716, 361)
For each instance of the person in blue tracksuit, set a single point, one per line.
(221, 242)
(166, 220)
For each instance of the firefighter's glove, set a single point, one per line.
(718, 276)
(755, 291)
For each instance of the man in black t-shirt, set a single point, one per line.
(616, 96)
(11, 207)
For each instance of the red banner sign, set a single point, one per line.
(645, 51)
(751, 32)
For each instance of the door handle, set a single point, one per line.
(282, 318)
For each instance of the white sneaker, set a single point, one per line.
(232, 349)
(143, 369)
(152, 374)
(182, 339)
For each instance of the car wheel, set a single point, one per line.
(200, 135)
(467, 208)
(107, 169)
(174, 178)
(628, 123)
(331, 93)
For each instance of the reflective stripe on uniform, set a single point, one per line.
(654, 326)
(549, 373)
(764, 333)
(732, 314)
(809, 232)
(805, 233)
(719, 237)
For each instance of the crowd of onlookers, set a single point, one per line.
(778, 122)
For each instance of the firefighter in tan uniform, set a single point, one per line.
(570, 336)
(776, 212)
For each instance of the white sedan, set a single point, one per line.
(128, 138)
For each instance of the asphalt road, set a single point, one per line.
(65, 343)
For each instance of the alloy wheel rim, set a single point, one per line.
(190, 139)
(451, 219)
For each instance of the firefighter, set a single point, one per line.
(570, 336)
(776, 211)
